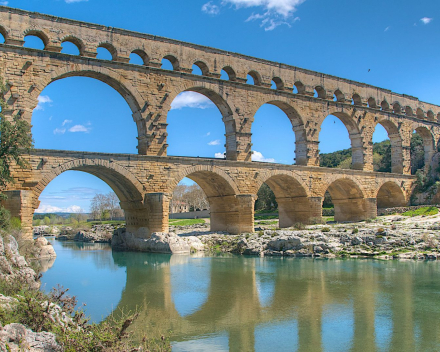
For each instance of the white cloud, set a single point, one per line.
(257, 156)
(426, 20)
(79, 128)
(216, 142)
(387, 29)
(210, 8)
(4, 3)
(65, 122)
(46, 208)
(73, 1)
(191, 100)
(43, 99)
(59, 131)
(219, 155)
(208, 134)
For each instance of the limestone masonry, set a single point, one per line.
(145, 182)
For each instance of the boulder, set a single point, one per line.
(284, 243)
(15, 337)
(43, 249)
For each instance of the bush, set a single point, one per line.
(325, 229)
(355, 231)
(15, 223)
(422, 211)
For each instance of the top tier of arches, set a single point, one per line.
(17, 24)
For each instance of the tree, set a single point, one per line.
(104, 206)
(15, 140)
(266, 199)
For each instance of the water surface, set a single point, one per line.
(236, 303)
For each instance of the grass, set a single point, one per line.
(265, 222)
(185, 222)
(422, 211)
(266, 217)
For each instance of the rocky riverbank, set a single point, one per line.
(96, 234)
(387, 237)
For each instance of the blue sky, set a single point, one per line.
(390, 44)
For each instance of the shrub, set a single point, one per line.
(325, 229)
(355, 230)
(15, 223)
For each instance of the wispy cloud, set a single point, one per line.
(191, 100)
(43, 99)
(4, 3)
(257, 156)
(59, 131)
(80, 128)
(273, 12)
(47, 208)
(210, 8)
(219, 155)
(216, 142)
(73, 1)
(387, 29)
(208, 134)
(65, 122)
(426, 20)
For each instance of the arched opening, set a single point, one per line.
(348, 200)
(291, 198)
(409, 111)
(345, 151)
(195, 127)
(169, 62)
(390, 195)
(387, 148)
(420, 114)
(200, 68)
(74, 113)
(372, 103)
(219, 197)
(300, 87)
(422, 149)
(430, 115)
(357, 100)
(397, 109)
(3, 34)
(138, 57)
(385, 106)
(69, 48)
(339, 96)
(228, 74)
(287, 148)
(104, 54)
(34, 41)
(319, 92)
(254, 78)
(278, 83)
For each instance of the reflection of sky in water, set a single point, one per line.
(383, 323)
(89, 274)
(190, 285)
(264, 277)
(282, 335)
(337, 327)
(219, 343)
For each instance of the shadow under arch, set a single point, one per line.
(225, 111)
(390, 195)
(294, 204)
(355, 136)
(297, 127)
(396, 145)
(221, 192)
(348, 199)
(428, 144)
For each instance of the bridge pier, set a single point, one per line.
(355, 209)
(20, 205)
(304, 210)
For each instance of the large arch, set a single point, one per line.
(428, 144)
(297, 126)
(390, 195)
(348, 199)
(226, 205)
(356, 139)
(396, 145)
(294, 204)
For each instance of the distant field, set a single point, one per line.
(185, 222)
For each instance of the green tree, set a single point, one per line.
(266, 199)
(15, 140)
(46, 221)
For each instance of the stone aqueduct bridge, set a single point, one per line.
(145, 182)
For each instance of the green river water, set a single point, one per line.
(237, 303)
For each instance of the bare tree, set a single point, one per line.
(105, 206)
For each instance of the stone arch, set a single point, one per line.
(397, 108)
(202, 66)
(355, 136)
(278, 83)
(171, 58)
(409, 111)
(430, 115)
(231, 73)
(420, 114)
(256, 77)
(301, 88)
(39, 34)
(143, 55)
(348, 199)
(384, 105)
(4, 32)
(372, 103)
(390, 195)
(112, 50)
(339, 95)
(428, 144)
(320, 91)
(76, 41)
(126, 186)
(396, 145)
(226, 210)
(357, 100)
(297, 126)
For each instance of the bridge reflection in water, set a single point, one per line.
(256, 304)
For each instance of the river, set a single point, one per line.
(237, 303)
